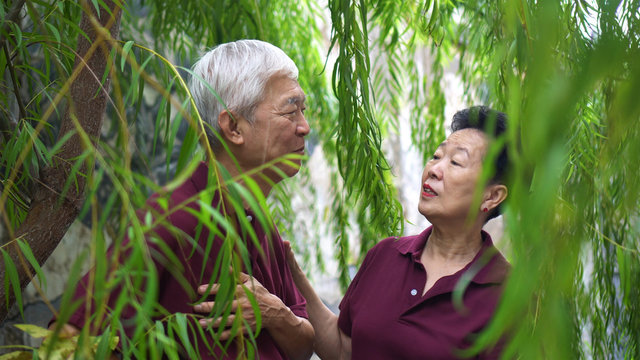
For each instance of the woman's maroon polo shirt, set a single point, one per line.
(268, 265)
(387, 318)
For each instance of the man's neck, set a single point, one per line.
(231, 167)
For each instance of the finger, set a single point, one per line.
(287, 246)
(227, 333)
(290, 256)
(205, 322)
(210, 289)
(217, 323)
(222, 322)
(204, 307)
(243, 277)
(207, 307)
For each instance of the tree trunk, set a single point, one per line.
(49, 216)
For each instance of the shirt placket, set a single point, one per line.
(415, 284)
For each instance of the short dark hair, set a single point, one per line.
(492, 123)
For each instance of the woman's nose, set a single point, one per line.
(435, 171)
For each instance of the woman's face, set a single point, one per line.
(449, 178)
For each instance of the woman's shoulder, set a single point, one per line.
(403, 243)
(395, 244)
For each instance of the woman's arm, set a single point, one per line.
(330, 341)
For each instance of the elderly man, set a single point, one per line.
(252, 106)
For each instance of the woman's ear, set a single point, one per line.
(229, 129)
(494, 195)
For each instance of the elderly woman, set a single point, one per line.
(400, 304)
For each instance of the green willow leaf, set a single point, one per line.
(28, 254)
(126, 49)
(11, 279)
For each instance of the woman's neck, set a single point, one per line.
(453, 245)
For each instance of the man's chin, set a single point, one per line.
(282, 172)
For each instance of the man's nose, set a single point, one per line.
(303, 127)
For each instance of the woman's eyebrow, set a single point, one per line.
(457, 148)
(464, 150)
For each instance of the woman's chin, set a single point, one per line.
(426, 212)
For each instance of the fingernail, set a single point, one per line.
(202, 322)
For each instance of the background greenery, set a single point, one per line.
(566, 72)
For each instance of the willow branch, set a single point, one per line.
(14, 81)
(12, 17)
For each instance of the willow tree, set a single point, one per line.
(564, 71)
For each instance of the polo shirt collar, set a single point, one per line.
(494, 272)
(200, 176)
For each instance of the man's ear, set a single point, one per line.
(494, 195)
(229, 129)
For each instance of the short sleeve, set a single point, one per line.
(287, 290)
(295, 301)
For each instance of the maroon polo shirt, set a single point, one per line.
(386, 316)
(268, 266)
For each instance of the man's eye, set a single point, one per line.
(435, 157)
(455, 163)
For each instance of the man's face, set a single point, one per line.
(278, 129)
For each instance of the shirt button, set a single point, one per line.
(250, 218)
(414, 292)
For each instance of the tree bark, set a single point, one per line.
(49, 217)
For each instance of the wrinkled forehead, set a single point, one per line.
(472, 141)
(284, 89)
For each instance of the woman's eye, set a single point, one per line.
(435, 157)
(455, 163)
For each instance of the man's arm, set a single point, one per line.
(293, 334)
(330, 341)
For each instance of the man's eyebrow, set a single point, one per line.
(297, 99)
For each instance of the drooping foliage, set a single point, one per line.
(565, 72)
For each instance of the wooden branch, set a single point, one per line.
(49, 217)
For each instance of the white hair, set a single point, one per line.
(238, 73)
